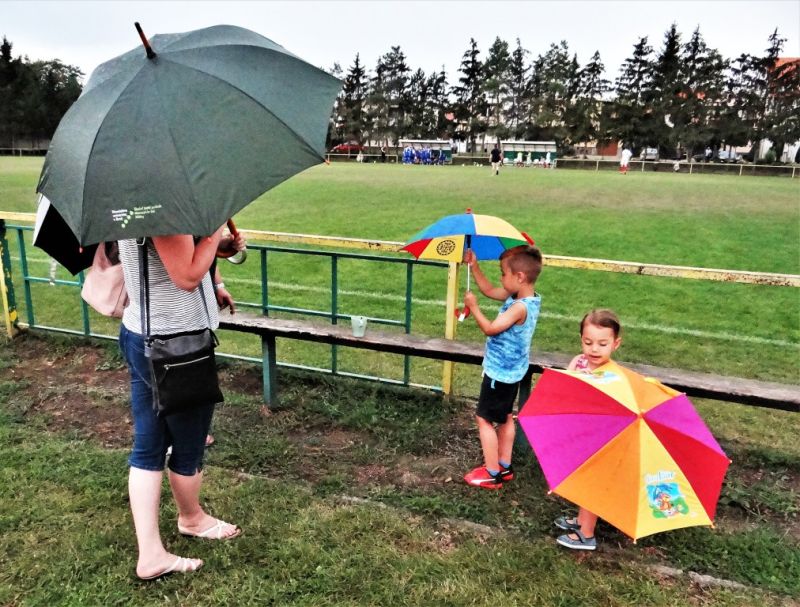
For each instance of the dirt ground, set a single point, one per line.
(81, 388)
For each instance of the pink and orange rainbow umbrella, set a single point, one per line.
(626, 447)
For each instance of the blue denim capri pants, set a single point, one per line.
(185, 432)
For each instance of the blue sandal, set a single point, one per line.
(582, 543)
(562, 522)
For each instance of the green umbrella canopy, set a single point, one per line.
(179, 142)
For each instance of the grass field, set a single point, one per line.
(695, 220)
(349, 494)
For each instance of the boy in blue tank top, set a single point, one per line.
(506, 358)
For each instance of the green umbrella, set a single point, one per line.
(177, 139)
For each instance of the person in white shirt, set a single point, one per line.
(624, 160)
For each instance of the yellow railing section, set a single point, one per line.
(559, 261)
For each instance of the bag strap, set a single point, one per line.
(144, 290)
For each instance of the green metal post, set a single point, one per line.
(268, 365)
(264, 284)
(23, 259)
(334, 305)
(409, 283)
(84, 308)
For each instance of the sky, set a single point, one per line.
(432, 34)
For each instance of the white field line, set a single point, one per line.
(544, 314)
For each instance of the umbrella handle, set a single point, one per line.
(461, 313)
(232, 255)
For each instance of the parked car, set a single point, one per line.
(649, 154)
(351, 147)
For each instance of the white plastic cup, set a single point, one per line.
(359, 324)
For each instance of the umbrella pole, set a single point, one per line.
(464, 311)
(469, 247)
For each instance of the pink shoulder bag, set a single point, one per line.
(104, 286)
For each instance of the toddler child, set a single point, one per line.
(600, 337)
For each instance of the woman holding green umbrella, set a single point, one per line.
(160, 145)
(180, 284)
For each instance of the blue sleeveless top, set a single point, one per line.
(507, 354)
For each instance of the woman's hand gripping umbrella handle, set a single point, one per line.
(230, 253)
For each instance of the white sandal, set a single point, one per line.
(212, 533)
(180, 565)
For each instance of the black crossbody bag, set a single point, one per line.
(183, 368)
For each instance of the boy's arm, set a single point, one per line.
(514, 315)
(486, 287)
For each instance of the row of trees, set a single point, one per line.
(34, 95)
(684, 95)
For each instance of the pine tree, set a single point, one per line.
(783, 105)
(470, 104)
(755, 84)
(418, 96)
(664, 99)
(440, 106)
(585, 116)
(629, 117)
(354, 93)
(516, 110)
(495, 87)
(395, 79)
(378, 105)
(553, 85)
(702, 96)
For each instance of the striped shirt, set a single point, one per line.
(172, 310)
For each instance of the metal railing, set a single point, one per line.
(739, 169)
(333, 312)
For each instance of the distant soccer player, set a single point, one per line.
(624, 160)
(496, 158)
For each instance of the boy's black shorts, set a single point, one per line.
(496, 402)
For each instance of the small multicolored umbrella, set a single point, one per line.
(449, 238)
(628, 448)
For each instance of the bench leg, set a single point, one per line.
(268, 370)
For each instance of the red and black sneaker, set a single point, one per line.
(506, 474)
(480, 477)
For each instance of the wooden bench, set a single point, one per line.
(704, 385)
